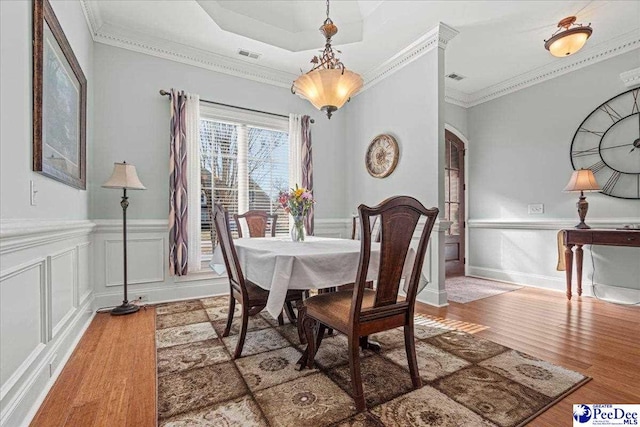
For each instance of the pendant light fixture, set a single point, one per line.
(328, 85)
(569, 38)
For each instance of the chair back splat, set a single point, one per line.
(257, 222)
(398, 218)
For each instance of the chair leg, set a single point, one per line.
(319, 336)
(356, 378)
(280, 319)
(301, 314)
(243, 333)
(291, 315)
(232, 307)
(410, 347)
(326, 291)
(309, 329)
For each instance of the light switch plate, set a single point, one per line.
(535, 208)
(32, 193)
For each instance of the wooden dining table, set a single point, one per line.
(279, 264)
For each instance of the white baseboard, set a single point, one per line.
(436, 298)
(24, 406)
(159, 294)
(527, 279)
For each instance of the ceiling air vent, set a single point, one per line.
(248, 54)
(456, 77)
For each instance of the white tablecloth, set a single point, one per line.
(278, 264)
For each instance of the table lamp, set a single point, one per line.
(582, 180)
(124, 177)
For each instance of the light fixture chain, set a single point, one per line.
(327, 9)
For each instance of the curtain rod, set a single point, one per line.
(165, 93)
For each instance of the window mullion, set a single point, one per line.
(243, 169)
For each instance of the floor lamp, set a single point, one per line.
(124, 177)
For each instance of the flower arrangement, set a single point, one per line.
(297, 203)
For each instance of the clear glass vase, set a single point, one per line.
(297, 231)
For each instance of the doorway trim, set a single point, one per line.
(467, 148)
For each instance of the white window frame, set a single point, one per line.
(244, 119)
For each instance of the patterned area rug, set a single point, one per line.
(465, 289)
(468, 381)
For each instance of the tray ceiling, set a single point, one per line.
(500, 43)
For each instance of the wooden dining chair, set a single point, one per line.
(361, 312)
(251, 297)
(257, 222)
(374, 225)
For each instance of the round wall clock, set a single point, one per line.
(608, 143)
(382, 156)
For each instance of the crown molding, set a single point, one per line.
(126, 39)
(631, 78)
(600, 52)
(456, 97)
(109, 34)
(438, 37)
(92, 15)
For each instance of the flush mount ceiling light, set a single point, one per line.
(567, 40)
(328, 85)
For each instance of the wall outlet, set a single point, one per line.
(535, 208)
(51, 364)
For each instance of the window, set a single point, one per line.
(244, 165)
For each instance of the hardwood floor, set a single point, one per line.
(595, 338)
(110, 379)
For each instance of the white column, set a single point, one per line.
(434, 269)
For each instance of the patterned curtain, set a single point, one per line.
(178, 200)
(307, 168)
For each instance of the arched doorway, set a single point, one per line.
(454, 207)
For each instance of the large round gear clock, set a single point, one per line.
(382, 156)
(608, 143)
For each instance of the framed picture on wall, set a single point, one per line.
(59, 102)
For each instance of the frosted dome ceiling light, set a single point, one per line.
(570, 40)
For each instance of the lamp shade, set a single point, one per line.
(582, 180)
(124, 176)
(328, 88)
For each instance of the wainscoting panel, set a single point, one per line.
(45, 275)
(337, 228)
(145, 255)
(84, 263)
(22, 320)
(526, 253)
(62, 287)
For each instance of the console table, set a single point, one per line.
(578, 238)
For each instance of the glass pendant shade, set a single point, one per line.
(328, 85)
(327, 89)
